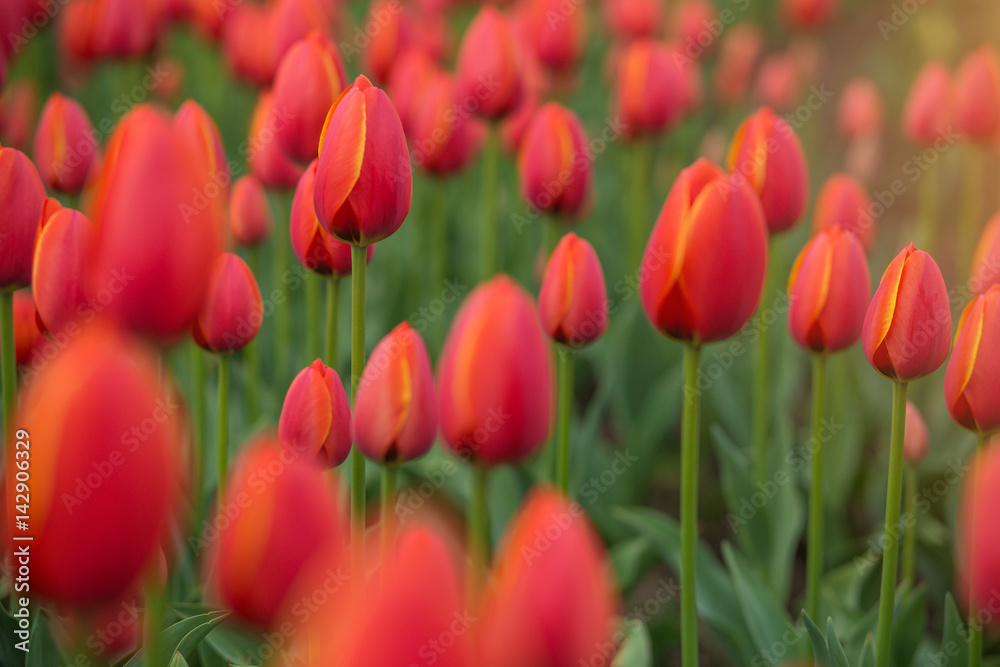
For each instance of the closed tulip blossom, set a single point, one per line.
(767, 153)
(61, 249)
(649, 93)
(985, 270)
(844, 202)
(315, 421)
(573, 300)
(443, 142)
(29, 340)
(779, 82)
(266, 159)
(65, 144)
(122, 28)
(861, 112)
(554, 163)
(250, 217)
(633, 19)
(413, 70)
(21, 196)
(970, 379)
(977, 544)
(929, 108)
(558, 44)
(977, 95)
(739, 50)
(488, 68)
(248, 40)
(233, 310)
(198, 127)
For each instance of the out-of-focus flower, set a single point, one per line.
(21, 197)
(695, 24)
(266, 159)
(294, 19)
(916, 440)
(63, 244)
(738, 54)
(122, 28)
(977, 545)
(535, 84)
(633, 19)
(557, 35)
(315, 420)
(929, 107)
(778, 82)
(970, 379)
(201, 132)
(843, 201)
(977, 95)
(650, 93)
(554, 163)
(809, 13)
(861, 112)
(248, 38)
(985, 270)
(249, 212)
(411, 73)
(64, 144)
(443, 141)
(28, 338)
(573, 302)
(488, 69)
(233, 310)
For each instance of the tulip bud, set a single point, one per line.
(778, 82)
(407, 82)
(551, 606)
(62, 247)
(573, 302)
(861, 112)
(315, 419)
(809, 13)
(703, 269)
(907, 330)
(248, 37)
(555, 168)
(233, 310)
(443, 142)
(315, 249)
(650, 91)
(844, 202)
(970, 378)
(928, 110)
(916, 439)
(122, 28)
(384, 47)
(986, 260)
(263, 545)
(738, 53)
(977, 95)
(249, 212)
(558, 42)
(65, 144)
(488, 69)
(766, 152)
(295, 19)
(194, 123)
(309, 80)
(694, 23)
(631, 20)
(395, 411)
(28, 338)
(364, 185)
(495, 376)
(977, 548)
(828, 289)
(21, 197)
(267, 161)
(109, 467)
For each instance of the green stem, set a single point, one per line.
(153, 617)
(975, 629)
(640, 166)
(390, 474)
(479, 530)
(814, 554)
(689, 505)
(8, 361)
(438, 236)
(910, 536)
(283, 313)
(312, 316)
(358, 267)
(198, 409)
(760, 387)
(332, 310)
(565, 361)
(488, 261)
(971, 204)
(252, 354)
(223, 435)
(890, 555)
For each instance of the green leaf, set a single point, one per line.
(9, 655)
(867, 658)
(630, 558)
(182, 636)
(954, 638)
(636, 650)
(908, 625)
(178, 661)
(837, 654)
(819, 646)
(44, 650)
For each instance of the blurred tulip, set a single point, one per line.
(649, 93)
(549, 606)
(443, 141)
(778, 82)
(977, 95)
(395, 411)
(261, 547)
(29, 340)
(916, 440)
(266, 159)
(986, 260)
(18, 110)
(970, 379)
(809, 13)
(295, 19)
(861, 112)
(309, 80)
(316, 249)
(249, 212)
(488, 69)
(364, 185)
(65, 144)
(703, 269)
(198, 127)
(233, 310)
(21, 197)
(738, 53)
(843, 201)
(557, 32)
(907, 330)
(209, 16)
(411, 73)
(928, 111)
(977, 547)
(316, 418)
(495, 376)
(75, 45)
(555, 164)
(394, 35)
(633, 19)
(533, 93)
(62, 247)
(104, 436)
(248, 38)
(766, 152)
(122, 28)
(696, 24)
(573, 301)
(829, 289)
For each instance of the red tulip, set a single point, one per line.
(555, 164)
(315, 249)
(495, 376)
(443, 141)
(738, 53)
(916, 439)
(209, 16)
(488, 70)
(573, 302)
(809, 13)
(28, 338)
(650, 91)
(63, 244)
(18, 109)
(266, 159)
(194, 123)
(703, 269)
(986, 259)
(633, 19)
(766, 152)
(363, 177)
(157, 272)
(828, 289)
(294, 19)
(977, 548)
(411, 73)
(861, 112)
(557, 36)
(693, 23)
(552, 599)
(249, 212)
(396, 34)
(309, 80)
(248, 37)
(122, 28)
(278, 515)
(843, 201)
(316, 418)
(928, 110)
(233, 310)
(534, 91)
(21, 197)
(778, 82)
(103, 438)
(970, 379)
(395, 411)
(907, 331)
(65, 144)
(977, 95)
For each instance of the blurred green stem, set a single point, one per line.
(760, 388)
(390, 475)
(153, 617)
(488, 261)
(283, 311)
(358, 268)
(312, 316)
(252, 353)
(223, 434)
(198, 410)
(332, 311)
(890, 554)
(975, 629)
(439, 234)
(565, 360)
(479, 530)
(689, 505)
(971, 204)
(814, 554)
(910, 536)
(8, 361)
(641, 159)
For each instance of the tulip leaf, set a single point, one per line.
(821, 651)
(867, 658)
(636, 650)
(9, 654)
(178, 661)
(954, 639)
(908, 625)
(630, 558)
(837, 654)
(44, 650)
(182, 636)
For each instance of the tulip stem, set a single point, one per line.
(910, 536)
(641, 166)
(760, 388)
(975, 628)
(479, 530)
(565, 361)
(283, 310)
(971, 204)
(358, 267)
(814, 554)
(488, 261)
(312, 316)
(223, 423)
(689, 505)
(8, 362)
(252, 354)
(439, 233)
(390, 475)
(153, 618)
(332, 310)
(198, 399)
(890, 554)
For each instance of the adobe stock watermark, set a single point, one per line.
(899, 16)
